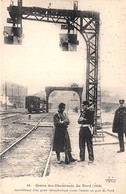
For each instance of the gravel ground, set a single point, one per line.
(29, 157)
(107, 174)
(108, 164)
(13, 128)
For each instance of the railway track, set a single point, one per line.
(8, 115)
(31, 154)
(20, 139)
(41, 133)
(15, 126)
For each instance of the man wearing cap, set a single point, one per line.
(61, 137)
(86, 120)
(119, 124)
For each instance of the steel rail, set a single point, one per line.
(48, 160)
(33, 128)
(49, 157)
(9, 117)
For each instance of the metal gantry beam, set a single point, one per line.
(78, 90)
(86, 22)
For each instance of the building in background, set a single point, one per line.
(12, 95)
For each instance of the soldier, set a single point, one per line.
(119, 124)
(61, 137)
(86, 120)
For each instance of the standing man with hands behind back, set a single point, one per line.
(119, 124)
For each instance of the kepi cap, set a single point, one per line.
(121, 101)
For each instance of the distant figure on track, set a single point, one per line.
(61, 136)
(119, 124)
(86, 120)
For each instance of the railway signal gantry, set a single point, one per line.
(85, 22)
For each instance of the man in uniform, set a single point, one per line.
(86, 120)
(119, 124)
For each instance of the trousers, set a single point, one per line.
(121, 140)
(85, 137)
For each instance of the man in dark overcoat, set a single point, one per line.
(119, 124)
(61, 137)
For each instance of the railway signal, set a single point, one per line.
(75, 5)
(12, 35)
(68, 42)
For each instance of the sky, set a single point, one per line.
(39, 61)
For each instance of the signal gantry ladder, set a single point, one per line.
(98, 132)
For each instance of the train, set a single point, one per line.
(35, 104)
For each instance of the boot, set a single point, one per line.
(71, 159)
(67, 159)
(58, 158)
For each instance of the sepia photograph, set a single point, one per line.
(62, 96)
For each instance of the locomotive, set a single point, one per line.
(35, 104)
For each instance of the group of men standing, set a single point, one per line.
(61, 136)
(86, 120)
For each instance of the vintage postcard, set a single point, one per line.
(63, 96)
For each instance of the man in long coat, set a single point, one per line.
(119, 124)
(61, 137)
